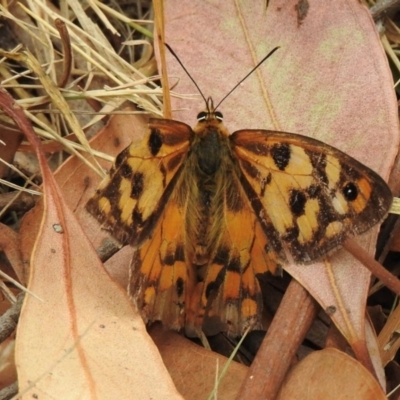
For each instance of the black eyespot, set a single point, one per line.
(219, 116)
(202, 116)
(350, 191)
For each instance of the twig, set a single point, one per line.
(20, 201)
(292, 321)
(9, 320)
(9, 392)
(383, 8)
(66, 44)
(376, 268)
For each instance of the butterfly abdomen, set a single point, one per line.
(201, 185)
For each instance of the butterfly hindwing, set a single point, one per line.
(160, 278)
(314, 194)
(130, 200)
(229, 296)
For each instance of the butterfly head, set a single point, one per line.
(210, 120)
(210, 115)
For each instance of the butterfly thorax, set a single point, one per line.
(209, 164)
(207, 146)
(210, 140)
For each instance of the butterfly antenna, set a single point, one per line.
(187, 72)
(267, 56)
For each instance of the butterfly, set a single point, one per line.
(208, 213)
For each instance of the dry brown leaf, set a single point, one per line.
(84, 340)
(320, 83)
(194, 369)
(8, 373)
(9, 244)
(330, 375)
(9, 142)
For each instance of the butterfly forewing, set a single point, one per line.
(314, 194)
(130, 200)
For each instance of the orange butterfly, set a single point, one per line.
(208, 213)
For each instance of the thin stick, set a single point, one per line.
(66, 44)
(376, 268)
(291, 323)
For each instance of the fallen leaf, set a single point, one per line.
(195, 369)
(319, 83)
(330, 375)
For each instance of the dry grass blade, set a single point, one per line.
(89, 47)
